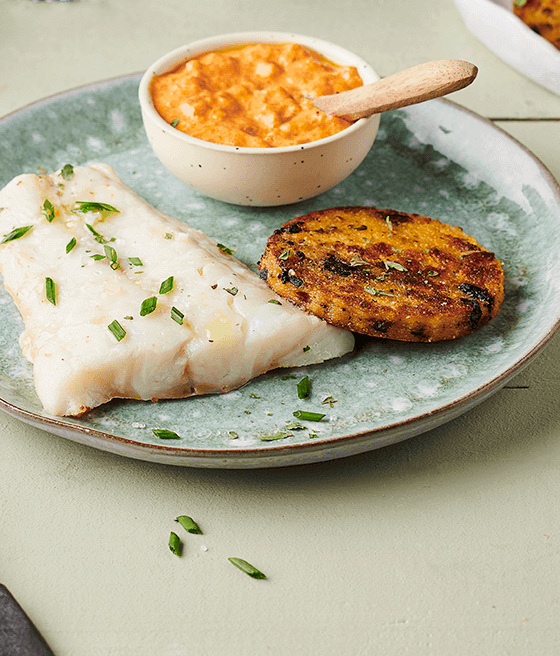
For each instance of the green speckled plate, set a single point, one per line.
(436, 159)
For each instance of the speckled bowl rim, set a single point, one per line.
(288, 454)
(172, 58)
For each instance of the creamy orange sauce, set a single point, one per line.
(257, 96)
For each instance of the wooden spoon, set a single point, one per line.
(414, 85)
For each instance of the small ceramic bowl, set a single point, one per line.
(258, 176)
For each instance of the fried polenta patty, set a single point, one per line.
(542, 16)
(385, 273)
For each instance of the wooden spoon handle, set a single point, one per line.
(414, 85)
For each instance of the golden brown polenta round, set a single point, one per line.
(385, 273)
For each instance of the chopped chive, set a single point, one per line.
(174, 123)
(274, 301)
(48, 210)
(129, 317)
(166, 286)
(50, 290)
(111, 254)
(67, 172)
(97, 257)
(70, 245)
(231, 290)
(175, 544)
(164, 434)
(233, 435)
(177, 315)
(118, 331)
(86, 206)
(285, 254)
(246, 567)
(329, 400)
(288, 377)
(225, 249)
(308, 416)
(388, 222)
(306, 348)
(15, 234)
(148, 306)
(135, 261)
(304, 388)
(189, 524)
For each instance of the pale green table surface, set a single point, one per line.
(445, 544)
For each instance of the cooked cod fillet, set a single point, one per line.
(122, 301)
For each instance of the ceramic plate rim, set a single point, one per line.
(276, 455)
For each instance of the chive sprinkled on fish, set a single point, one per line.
(166, 286)
(177, 315)
(118, 331)
(148, 306)
(86, 206)
(50, 290)
(70, 245)
(16, 233)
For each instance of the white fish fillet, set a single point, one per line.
(230, 331)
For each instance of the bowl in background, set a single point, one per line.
(258, 176)
(501, 31)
